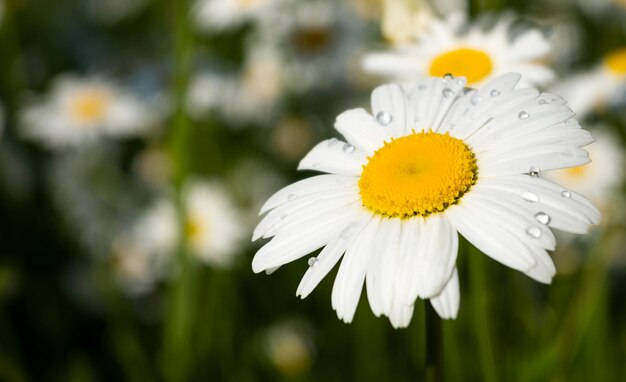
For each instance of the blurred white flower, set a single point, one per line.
(142, 257)
(314, 40)
(214, 226)
(596, 87)
(80, 111)
(477, 54)
(289, 346)
(218, 15)
(404, 20)
(599, 179)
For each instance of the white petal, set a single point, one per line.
(335, 157)
(351, 275)
(446, 304)
(488, 236)
(392, 100)
(362, 130)
(292, 244)
(391, 230)
(308, 186)
(400, 315)
(550, 157)
(329, 256)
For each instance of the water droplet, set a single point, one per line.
(383, 118)
(543, 102)
(542, 217)
(460, 81)
(494, 93)
(523, 115)
(348, 148)
(332, 142)
(448, 76)
(529, 196)
(466, 90)
(533, 232)
(291, 197)
(421, 87)
(447, 93)
(476, 99)
(534, 172)
(566, 194)
(313, 261)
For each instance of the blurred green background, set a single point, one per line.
(238, 103)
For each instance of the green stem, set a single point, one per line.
(479, 300)
(177, 335)
(434, 346)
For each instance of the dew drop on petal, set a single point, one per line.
(534, 172)
(566, 194)
(291, 197)
(533, 231)
(523, 115)
(313, 261)
(332, 142)
(448, 76)
(447, 93)
(542, 217)
(476, 99)
(529, 196)
(348, 148)
(494, 93)
(383, 118)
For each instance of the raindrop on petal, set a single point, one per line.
(494, 93)
(523, 115)
(542, 217)
(383, 118)
(313, 261)
(447, 93)
(533, 232)
(348, 148)
(291, 197)
(566, 194)
(534, 172)
(529, 196)
(476, 99)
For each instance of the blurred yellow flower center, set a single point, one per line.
(89, 106)
(418, 174)
(193, 228)
(472, 64)
(616, 61)
(576, 172)
(247, 4)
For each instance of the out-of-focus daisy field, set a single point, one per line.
(139, 139)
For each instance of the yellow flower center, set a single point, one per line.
(616, 62)
(576, 172)
(470, 63)
(193, 228)
(418, 174)
(89, 106)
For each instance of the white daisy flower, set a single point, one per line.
(219, 15)
(476, 54)
(80, 111)
(427, 164)
(142, 257)
(214, 227)
(599, 179)
(596, 87)
(314, 40)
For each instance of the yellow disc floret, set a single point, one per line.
(616, 62)
(418, 174)
(473, 64)
(89, 106)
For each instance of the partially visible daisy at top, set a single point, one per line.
(315, 42)
(600, 179)
(219, 15)
(450, 46)
(598, 87)
(429, 163)
(80, 111)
